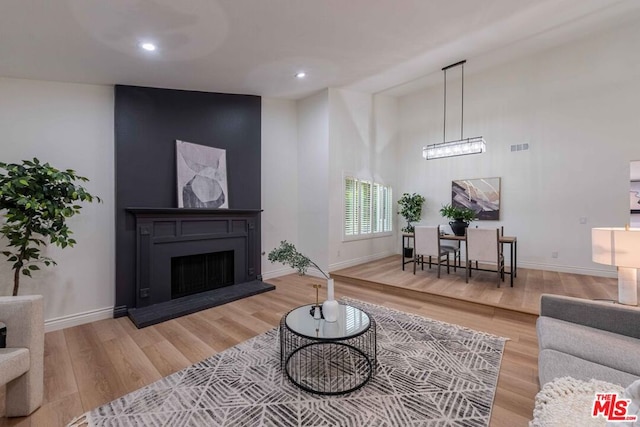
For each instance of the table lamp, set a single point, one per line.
(619, 247)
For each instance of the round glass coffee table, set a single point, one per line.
(328, 357)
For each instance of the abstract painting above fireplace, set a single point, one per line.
(202, 176)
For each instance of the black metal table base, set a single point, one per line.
(328, 367)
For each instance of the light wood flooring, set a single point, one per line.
(524, 297)
(92, 364)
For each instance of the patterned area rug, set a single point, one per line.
(429, 373)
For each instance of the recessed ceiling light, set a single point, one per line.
(301, 75)
(150, 47)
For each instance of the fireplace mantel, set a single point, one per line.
(164, 233)
(190, 211)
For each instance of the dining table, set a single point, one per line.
(512, 241)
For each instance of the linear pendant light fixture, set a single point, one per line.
(460, 147)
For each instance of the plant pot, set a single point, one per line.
(408, 252)
(459, 227)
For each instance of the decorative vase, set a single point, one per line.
(330, 306)
(331, 329)
(458, 227)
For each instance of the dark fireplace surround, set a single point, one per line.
(150, 228)
(164, 234)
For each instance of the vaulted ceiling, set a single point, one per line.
(257, 46)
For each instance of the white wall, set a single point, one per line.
(313, 177)
(279, 179)
(337, 132)
(576, 105)
(362, 143)
(71, 127)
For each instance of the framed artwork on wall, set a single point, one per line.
(634, 197)
(480, 194)
(202, 176)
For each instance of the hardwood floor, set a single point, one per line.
(523, 297)
(92, 364)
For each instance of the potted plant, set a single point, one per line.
(37, 199)
(461, 217)
(287, 254)
(410, 209)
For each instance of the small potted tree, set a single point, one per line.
(37, 199)
(410, 209)
(461, 217)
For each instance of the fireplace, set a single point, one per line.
(191, 259)
(192, 274)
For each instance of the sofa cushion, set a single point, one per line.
(606, 348)
(13, 363)
(553, 364)
(617, 318)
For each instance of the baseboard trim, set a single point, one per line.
(336, 266)
(568, 269)
(361, 260)
(277, 273)
(120, 311)
(285, 271)
(63, 322)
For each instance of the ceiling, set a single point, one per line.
(257, 46)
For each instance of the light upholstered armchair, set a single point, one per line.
(22, 362)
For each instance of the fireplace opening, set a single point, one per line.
(202, 272)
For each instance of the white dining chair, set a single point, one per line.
(483, 246)
(427, 244)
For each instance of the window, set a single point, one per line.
(367, 208)
(381, 210)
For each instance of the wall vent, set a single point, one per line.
(520, 147)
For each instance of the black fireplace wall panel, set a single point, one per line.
(148, 121)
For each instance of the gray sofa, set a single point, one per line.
(587, 339)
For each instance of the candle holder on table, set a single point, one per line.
(316, 310)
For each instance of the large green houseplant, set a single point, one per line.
(36, 200)
(411, 209)
(461, 217)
